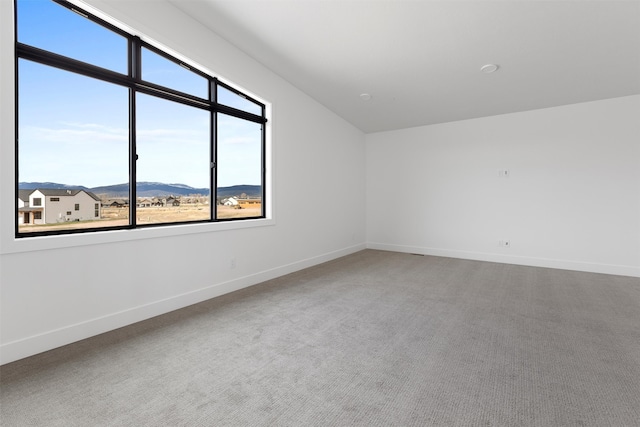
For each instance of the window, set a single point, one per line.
(107, 118)
(38, 21)
(240, 161)
(37, 201)
(163, 71)
(37, 215)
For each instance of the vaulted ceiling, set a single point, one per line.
(420, 60)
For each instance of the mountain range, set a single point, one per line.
(148, 189)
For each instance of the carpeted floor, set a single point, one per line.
(371, 339)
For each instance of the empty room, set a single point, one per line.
(319, 213)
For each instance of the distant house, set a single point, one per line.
(171, 201)
(143, 203)
(47, 206)
(117, 203)
(231, 201)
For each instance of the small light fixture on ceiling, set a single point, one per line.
(365, 96)
(489, 68)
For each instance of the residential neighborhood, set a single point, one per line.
(55, 206)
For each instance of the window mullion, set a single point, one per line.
(134, 72)
(213, 184)
(264, 168)
(69, 64)
(213, 191)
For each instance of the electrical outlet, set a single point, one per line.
(232, 263)
(503, 173)
(504, 243)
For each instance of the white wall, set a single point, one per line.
(572, 199)
(56, 290)
(57, 211)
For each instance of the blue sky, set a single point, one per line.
(74, 129)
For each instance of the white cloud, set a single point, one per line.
(76, 133)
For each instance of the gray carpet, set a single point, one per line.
(371, 339)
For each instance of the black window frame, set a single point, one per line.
(135, 84)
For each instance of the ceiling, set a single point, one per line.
(420, 60)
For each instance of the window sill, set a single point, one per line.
(43, 243)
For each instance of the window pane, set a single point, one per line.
(159, 70)
(173, 165)
(231, 99)
(70, 147)
(49, 26)
(239, 168)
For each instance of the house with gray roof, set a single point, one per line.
(49, 205)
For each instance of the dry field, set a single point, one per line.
(114, 217)
(231, 212)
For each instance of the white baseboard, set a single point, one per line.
(49, 340)
(620, 270)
